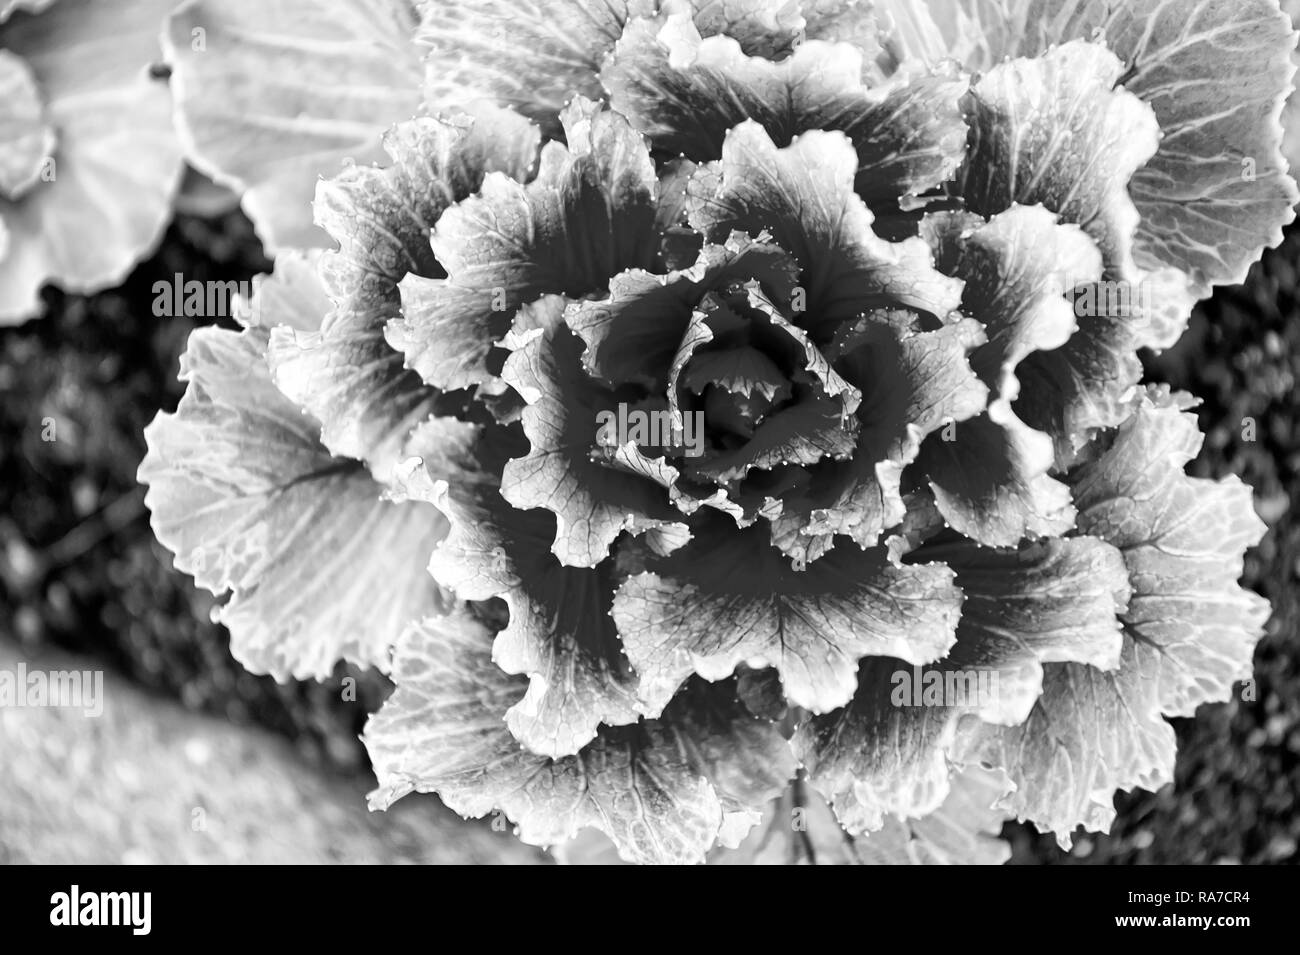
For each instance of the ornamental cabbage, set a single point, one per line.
(723, 419)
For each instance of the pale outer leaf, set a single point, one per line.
(1217, 74)
(892, 749)
(1190, 630)
(664, 790)
(532, 55)
(274, 94)
(320, 567)
(1183, 539)
(117, 162)
(1090, 733)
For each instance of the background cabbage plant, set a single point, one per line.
(89, 159)
(899, 257)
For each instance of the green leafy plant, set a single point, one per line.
(900, 258)
(89, 159)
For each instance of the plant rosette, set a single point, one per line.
(883, 270)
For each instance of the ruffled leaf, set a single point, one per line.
(1086, 384)
(770, 28)
(821, 426)
(592, 503)
(1217, 193)
(1055, 130)
(292, 296)
(587, 216)
(991, 480)
(891, 750)
(535, 55)
(686, 92)
(347, 374)
(319, 566)
(1216, 73)
(990, 475)
(560, 634)
(663, 790)
(915, 383)
(1017, 270)
(858, 22)
(744, 372)
(1090, 733)
(728, 598)
(1059, 130)
(532, 55)
(802, 196)
(1193, 628)
(1052, 601)
(802, 434)
(633, 334)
